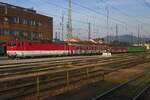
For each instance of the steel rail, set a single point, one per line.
(143, 91)
(105, 94)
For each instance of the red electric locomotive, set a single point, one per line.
(30, 49)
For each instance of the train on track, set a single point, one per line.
(23, 49)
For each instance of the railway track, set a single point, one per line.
(126, 91)
(29, 61)
(59, 59)
(144, 94)
(21, 66)
(60, 77)
(52, 66)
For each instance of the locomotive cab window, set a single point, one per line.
(12, 44)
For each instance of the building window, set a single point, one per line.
(28, 22)
(35, 35)
(25, 34)
(1, 31)
(32, 35)
(5, 19)
(29, 35)
(15, 19)
(16, 33)
(40, 35)
(32, 22)
(6, 32)
(25, 21)
(39, 24)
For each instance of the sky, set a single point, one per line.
(127, 14)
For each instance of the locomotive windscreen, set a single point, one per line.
(11, 44)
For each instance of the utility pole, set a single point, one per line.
(138, 35)
(56, 36)
(89, 33)
(59, 34)
(62, 25)
(116, 32)
(126, 28)
(141, 37)
(69, 24)
(132, 38)
(107, 9)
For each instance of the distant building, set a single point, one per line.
(24, 24)
(147, 45)
(137, 44)
(72, 40)
(98, 40)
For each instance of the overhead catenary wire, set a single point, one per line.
(125, 14)
(76, 20)
(97, 12)
(92, 10)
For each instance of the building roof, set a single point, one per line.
(21, 8)
(72, 40)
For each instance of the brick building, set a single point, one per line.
(24, 24)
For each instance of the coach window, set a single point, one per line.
(87, 47)
(80, 47)
(92, 48)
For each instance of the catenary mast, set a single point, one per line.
(69, 24)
